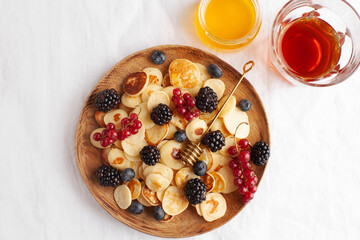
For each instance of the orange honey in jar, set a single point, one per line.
(228, 24)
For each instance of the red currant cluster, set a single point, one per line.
(185, 104)
(129, 126)
(245, 178)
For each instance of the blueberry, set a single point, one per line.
(136, 207)
(127, 174)
(200, 168)
(159, 213)
(215, 71)
(158, 57)
(180, 136)
(245, 105)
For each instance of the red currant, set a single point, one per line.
(190, 102)
(124, 122)
(238, 181)
(189, 116)
(110, 126)
(104, 133)
(244, 156)
(102, 142)
(237, 173)
(243, 189)
(243, 143)
(181, 110)
(249, 174)
(134, 131)
(133, 116)
(177, 92)
(232, 150)
(253, 189)
(186, 96)
(178, 101)
(245, 165)
(250, 182)
(107, 141)
(255, 179)
(233, 164)
(126, 133)
(97, 136)
(111, 141)
(113, 134)
(197, 113)
(137, 124)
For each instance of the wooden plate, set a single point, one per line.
(88, 157)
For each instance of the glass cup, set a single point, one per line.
(341, 16)
(219, 43)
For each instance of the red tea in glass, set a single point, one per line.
(309, 47)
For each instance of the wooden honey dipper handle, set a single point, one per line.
(246, 68)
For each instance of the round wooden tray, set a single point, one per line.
(88, 157)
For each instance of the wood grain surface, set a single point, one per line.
(88, 157)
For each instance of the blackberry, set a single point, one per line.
(108, 176)
(214, 140)
(195, 191)
(161, 114)
(107, 100)
(260, 153)
(206, 100)
(150, 155)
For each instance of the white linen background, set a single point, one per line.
(52, 53)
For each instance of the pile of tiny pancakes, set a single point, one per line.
(163, 184)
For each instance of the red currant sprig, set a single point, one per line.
(185, 105)
(245, 178)
(108, 135)
(129, 126)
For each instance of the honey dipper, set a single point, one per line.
(190, 155)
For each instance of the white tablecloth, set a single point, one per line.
(52, 53)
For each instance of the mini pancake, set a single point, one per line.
(150, 196)
(156, 134)
(167, 218)
(141, 197)
(219, 125)
(228, 176)
(130, 101)
(97, 143)
(183, 73)
(144, 115)
(220, 183)
(171, 132)
(204, 74)
(122, 196)
(149, 90)
(156, 182)
(135, 188)
(231, 125)
(162, 143)
(117, 159)
(207, 157)
(184, 175)
(133, 149)
(209, 181)
(155, 75)
(135, 165)
(115, 117)
(156, 98)
(198, 209)
(178, 121)
(105, 155)
(170, 154)
(136, 83)
(166, 81)
(230, 106)
(229, 141)
(195, 129)
(99, 117)
(160, 195)
(208, 117)
(126, 109)
(174, 201)
(219, 161)
(214, 207)
(161, 169)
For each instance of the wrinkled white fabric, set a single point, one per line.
(52, 53)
